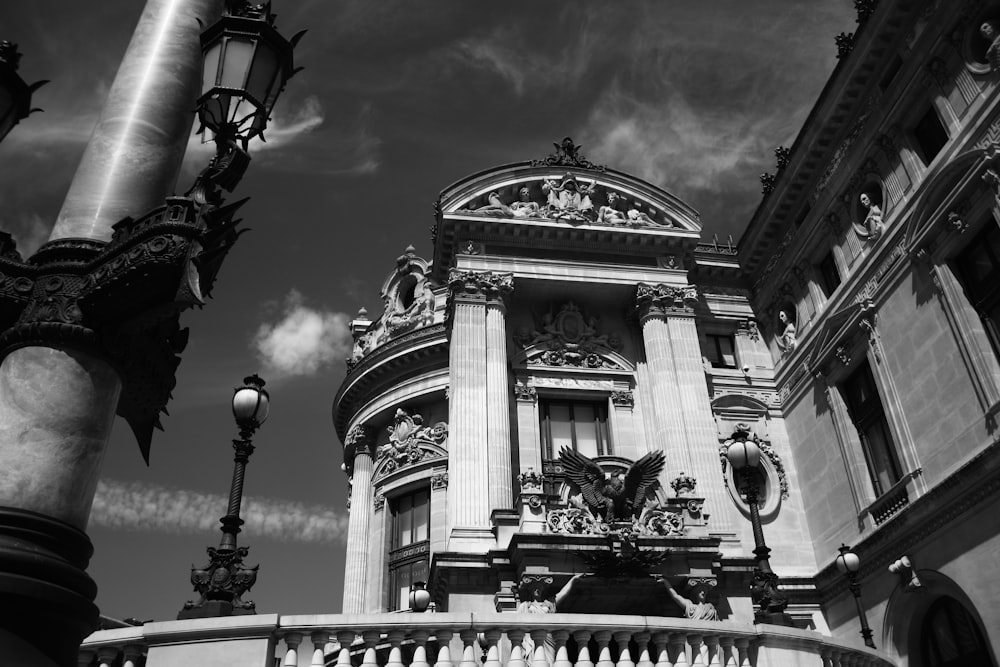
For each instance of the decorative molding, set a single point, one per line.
(567, 154)
(742, 433)
(653, 300)
(360, 440)
(408, 438)
(748, 328)
(439, 480)
(479, 285)
(870, 288)
(523, 392)
(623, 398)
(530, 479)
(842, 355)
(683, 484)
(569, 339)
(378, 501)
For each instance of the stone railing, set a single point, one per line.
(469, 640)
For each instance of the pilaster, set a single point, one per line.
(359, 456)
(501, 492)
(469, 454)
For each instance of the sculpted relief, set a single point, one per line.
(568, 338)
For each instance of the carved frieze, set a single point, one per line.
(408, 440)
(480, 285)
(659, 299)
(623, 398)
(568, 338)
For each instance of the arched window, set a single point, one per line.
(951, 637)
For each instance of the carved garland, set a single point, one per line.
(406, 435)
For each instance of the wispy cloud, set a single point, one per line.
(139, 506)
(303, 340)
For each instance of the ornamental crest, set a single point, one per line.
(410, 441)
(568, 338)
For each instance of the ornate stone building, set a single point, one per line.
(566, 305)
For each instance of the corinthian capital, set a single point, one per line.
(360, 440)
(480, 285)
(661, 299)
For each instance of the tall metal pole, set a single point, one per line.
(57, 404)
(764, 588)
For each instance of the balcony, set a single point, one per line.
(468, 640)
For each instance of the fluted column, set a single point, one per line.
(469, 455)
(358, 452)
(501, 491)
(667, 313)
(666, 412)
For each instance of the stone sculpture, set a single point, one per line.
(609, 213)
(872, 227)
(569, 199)
(990, 30)
(614, 498)
(699, 609)
(787, 341)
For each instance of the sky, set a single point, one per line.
(397, 101)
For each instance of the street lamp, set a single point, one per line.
(849, 564)
(744, 455)
(15, 94)
(225, 579)
(246, 66)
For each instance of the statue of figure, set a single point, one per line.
(496, 207)
(698, 609)
(609, 214)
(636, 218)
(569, 200)
(536, 603)
(872, 227)
(524, 207)
(990, 30)
(787, 340)
(619, 498)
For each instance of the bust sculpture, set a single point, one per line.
(699, 609)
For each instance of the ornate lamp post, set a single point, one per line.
(225, 579)
(848, 563)
(15, 94)
(744, 456)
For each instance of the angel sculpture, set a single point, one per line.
(619, 497)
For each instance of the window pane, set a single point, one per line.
(421, 507)
(728, 356)
(586, 430)
(561, 427)
(883, 459)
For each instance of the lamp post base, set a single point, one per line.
(48, 598)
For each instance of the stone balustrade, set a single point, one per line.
(469, 640)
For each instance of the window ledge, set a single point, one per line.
(892, 501)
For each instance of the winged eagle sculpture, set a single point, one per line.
(618, 497)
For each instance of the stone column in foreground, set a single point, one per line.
(498, 400)
(57, 398)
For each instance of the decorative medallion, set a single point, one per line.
(742, 434)
(569, 339)
(406, 435)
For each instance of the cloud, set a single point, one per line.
(303, 340)
(140, 506)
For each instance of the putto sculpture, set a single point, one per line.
(614, 498)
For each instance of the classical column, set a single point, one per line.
(671, 308)
(469, 455)
(57, 404)
(501, 492)
(359, 452)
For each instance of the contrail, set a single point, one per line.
(138, 506)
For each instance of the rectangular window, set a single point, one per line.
(409, 555)
(930, 135)
(577, 425)
(978, 269)
(865, 409)
(719, 350)
(829, 276)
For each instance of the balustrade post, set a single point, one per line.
(642, 642)
(345, 638)
(560, 637)
(492, 637)
(395, 638)
(697, 657)
(622, 637)
(84, 658)
(727, 651)
(420, 637)
(444, 651)
(678, 646)
(538, 657)
(319, 641)
(469, 637)
(132, 654)
(292, 641)
(582, 638)
(603, 637)
(712, 645)
(516, 637)
(743, 646)
(106, 655)
(371, 638)
(660, 641)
